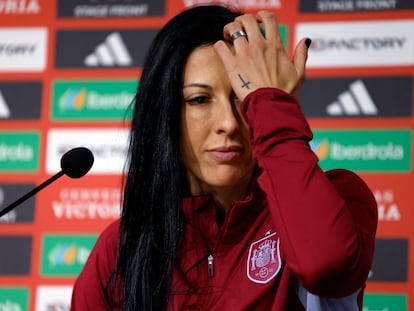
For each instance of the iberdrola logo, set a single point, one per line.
(63, 254)
(73, 99)
(321, 148)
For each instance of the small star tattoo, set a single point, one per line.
(245, 83)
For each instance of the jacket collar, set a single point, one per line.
(201, 210)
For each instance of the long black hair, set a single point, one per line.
(151, 218)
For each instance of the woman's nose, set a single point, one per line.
(227, 117)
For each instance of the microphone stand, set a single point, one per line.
(75, 163)
(30, 193)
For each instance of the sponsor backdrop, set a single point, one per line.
(70, 68)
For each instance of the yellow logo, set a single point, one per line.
(321, 148)
(73, 99)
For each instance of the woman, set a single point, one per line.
(225, 206)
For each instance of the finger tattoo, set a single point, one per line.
(245, 83)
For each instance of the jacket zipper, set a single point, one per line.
(210, 265)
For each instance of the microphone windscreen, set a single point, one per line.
(76, 162)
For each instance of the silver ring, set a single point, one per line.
(238, 34)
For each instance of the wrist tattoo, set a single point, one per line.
(245, 83)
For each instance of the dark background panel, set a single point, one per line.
(15, 255)
(390, 261)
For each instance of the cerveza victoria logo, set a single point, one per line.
(65, 254)
(92, 100)
(19, 151)
(102, 48)
(110, 8)
(357, 97)
(377, 150)
(83, 203)
(359, 44)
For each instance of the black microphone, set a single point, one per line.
(75, 163)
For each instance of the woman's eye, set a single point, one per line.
(197, 100)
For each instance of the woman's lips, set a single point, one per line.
(225, 154)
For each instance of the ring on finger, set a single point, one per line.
(238, 34)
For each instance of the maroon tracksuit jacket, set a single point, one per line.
(299, 230)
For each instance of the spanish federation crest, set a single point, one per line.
(263, 262)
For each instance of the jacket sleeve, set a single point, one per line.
(326, 220)
(90, 286)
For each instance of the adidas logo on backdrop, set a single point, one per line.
(112, 52)
(357, 97)
(355, 101)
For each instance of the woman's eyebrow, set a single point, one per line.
(197, 85)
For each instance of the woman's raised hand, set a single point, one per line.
(257, 61)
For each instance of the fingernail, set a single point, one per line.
(308, 42)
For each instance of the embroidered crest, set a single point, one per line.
(263, 262)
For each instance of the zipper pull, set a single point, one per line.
(210, 267)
